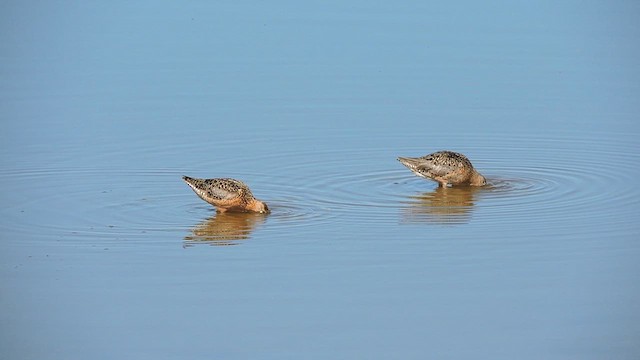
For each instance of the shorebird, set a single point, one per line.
(445, 167)
(226, 194)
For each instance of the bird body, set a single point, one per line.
(445, 167)
(226, 194)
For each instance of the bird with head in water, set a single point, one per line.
(445, 167)
(226, 194)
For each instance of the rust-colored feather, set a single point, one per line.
(226, 194)
(445, 167)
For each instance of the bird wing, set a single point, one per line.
(427, 166)
(434, 169)
(223, 189)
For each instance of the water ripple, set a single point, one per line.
(555, 184)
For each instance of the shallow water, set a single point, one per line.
(106, 253)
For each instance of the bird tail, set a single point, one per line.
(411, 163)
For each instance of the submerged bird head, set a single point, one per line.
(259, 207)
(477, 179)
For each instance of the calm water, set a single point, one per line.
(106, 253)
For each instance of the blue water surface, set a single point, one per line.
(106, 253)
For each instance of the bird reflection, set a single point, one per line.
(444, 205)
(225, 228)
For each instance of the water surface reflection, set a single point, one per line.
(444, 205)
(225, 228)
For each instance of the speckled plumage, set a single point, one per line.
(226, 194)
(445, 167)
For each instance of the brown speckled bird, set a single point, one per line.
(226, 194)
(445, 167)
